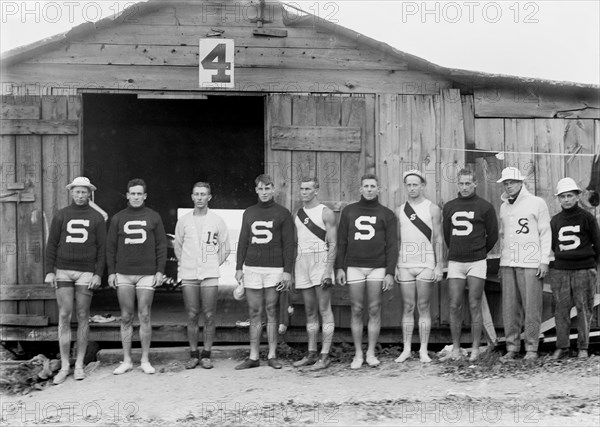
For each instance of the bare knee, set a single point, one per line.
(193, 314)
(409, 308)
(209, 318)
(126, 318)
(374, 310)
(423, 307)
(357, 309)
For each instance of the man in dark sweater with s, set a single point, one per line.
(366, 258)
(75, 256)
(470, 232)
(576, 246)
(265, 260)
(136, 254)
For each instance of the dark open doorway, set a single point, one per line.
(171, 144)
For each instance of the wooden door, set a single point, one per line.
(40, 147)
(328, 136)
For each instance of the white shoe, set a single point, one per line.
(122, 368)
(147, 368)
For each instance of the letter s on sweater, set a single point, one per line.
(127, 228)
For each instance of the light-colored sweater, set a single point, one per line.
(525, 236)
(200, 252)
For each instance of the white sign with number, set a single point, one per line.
(216, 63)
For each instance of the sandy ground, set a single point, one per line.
(456, 393)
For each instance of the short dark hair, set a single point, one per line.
(136, 181)
(265, 179)
(369, 176)
(467, 172)
(202, 184)
(310, 179)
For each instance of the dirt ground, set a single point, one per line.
(544, 392)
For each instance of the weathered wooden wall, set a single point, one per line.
(158, 50)
(37, 163)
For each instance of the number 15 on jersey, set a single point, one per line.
(216, 63)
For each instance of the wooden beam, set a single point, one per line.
(316, 138)
(39, 127)
(26, 292)
(178, 333)
(23, 320)
(530, 101)
(17, 197)
(164, 77)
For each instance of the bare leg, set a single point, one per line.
(456, 288)
(374, 292)
(324, 297)
(423, 296)
(145, 297)
(272, 309)
(83, 302)
(408, 318)
(476, 289)
(191, 300)
(357, 295)
(312, 317)
(64, 299)
(126, 295)
(209, 307)
(255, 309)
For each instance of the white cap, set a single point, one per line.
(239, 293)
(512, 174)
(81, 181)
(414, 172)
(566, 184)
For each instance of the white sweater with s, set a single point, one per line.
(525, 235)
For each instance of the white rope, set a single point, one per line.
(500, 154)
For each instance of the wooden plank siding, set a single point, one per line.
(40, 165)
(529, 100)
(156, 51)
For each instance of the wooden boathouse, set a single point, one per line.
(295, 95)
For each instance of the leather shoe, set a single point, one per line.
(582, 354)
(274, 363)
(530, 355)
(206, 363)
(247, 364)
(509, 356)
(559, 353)
(310, 359)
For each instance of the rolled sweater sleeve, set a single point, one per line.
(391, 243)
(544, 232)
(101, 248)
(491, 228)
(161, 246)
(243, 242)
(289, 242)
(52, 245)
(342, 241)
(111, 245)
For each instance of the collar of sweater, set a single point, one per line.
(266, 205)
(81, 208)
(134, 209)
(470, 197)
(571, 211)
(524, 193)
(368, 203)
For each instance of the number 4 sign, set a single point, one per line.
(216, 63)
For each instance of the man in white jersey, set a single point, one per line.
(420, 260)
(317, 237)
(201, 246)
